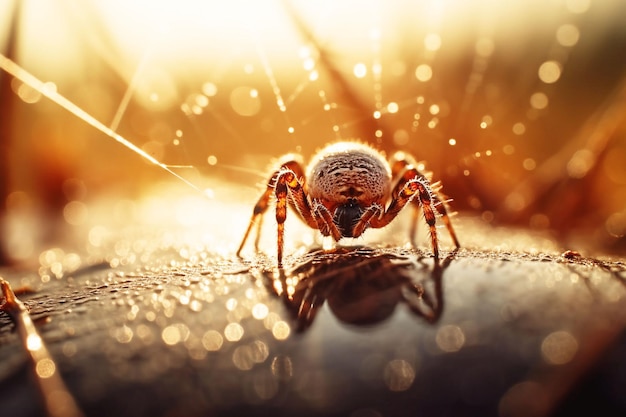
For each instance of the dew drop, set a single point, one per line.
(539, 101)
(360, 70)
(377, 68)
(508, 149)
(549, 72)
(212, 340)
(401, 137)
(33, 342)
(529, 164)
(308, 64)
(392, 107)
(616, 224)
(399, 375)
(567, 35)
(424, 73)
(578, 6)
(559, 347)
(484, 47)
(233, 332)
(209, 89)
(519, 128)
(28, 94)
(281, 330)
(45, 368)
(432, 42)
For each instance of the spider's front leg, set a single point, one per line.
(403, 193)
(287, 184)
(405, 164)
(298, 200)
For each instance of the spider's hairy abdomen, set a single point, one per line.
(349, 170)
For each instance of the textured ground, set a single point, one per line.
(166, 321)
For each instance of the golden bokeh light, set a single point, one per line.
(559, 348)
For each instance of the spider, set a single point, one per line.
(349, 187)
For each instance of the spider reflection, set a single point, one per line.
(361, 286)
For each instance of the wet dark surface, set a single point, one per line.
(361, 331)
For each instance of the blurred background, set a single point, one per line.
(518, 106)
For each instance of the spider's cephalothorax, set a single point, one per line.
(349, 187)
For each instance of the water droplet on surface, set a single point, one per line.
(33, 342)
(45, 368)
(75, 213)
(559, 348)
(260, 311)
(282, 367)
(233, 332)
(450, 338)
(212, 340)
(281, 330)
(399, 375)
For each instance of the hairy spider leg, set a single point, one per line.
(372, 211)
(401, 162)
(404, 192)
(290, 191)
(325, 222)
(297, 200)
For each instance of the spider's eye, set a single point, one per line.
(346, 216)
